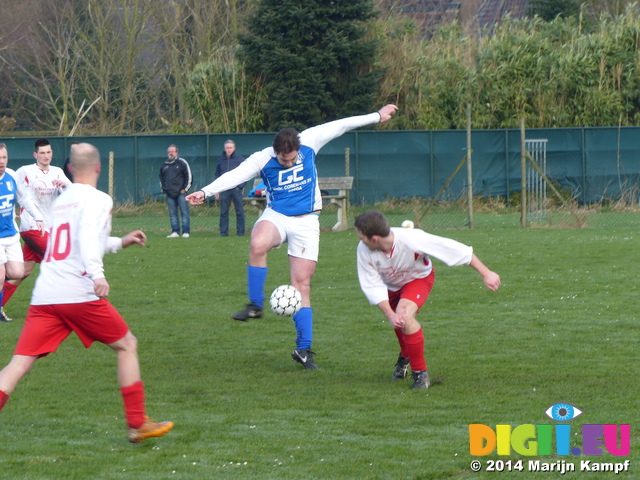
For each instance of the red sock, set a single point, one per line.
(7, 291)
(133, 398)
(3, 399)
(415, 347)
(403, 347)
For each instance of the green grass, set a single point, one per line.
(563, 328)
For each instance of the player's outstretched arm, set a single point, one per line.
(387, 112)
(195, 198)
(491, 279)
(137, 237)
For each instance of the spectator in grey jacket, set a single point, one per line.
(175, 182)
(228, 161)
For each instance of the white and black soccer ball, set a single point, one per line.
(286, 300)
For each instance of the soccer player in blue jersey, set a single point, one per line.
(11, 260)
(293, 204)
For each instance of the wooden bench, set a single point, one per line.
(328, 187)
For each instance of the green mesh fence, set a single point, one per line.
(408, 174)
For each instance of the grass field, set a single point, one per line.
(563, 328)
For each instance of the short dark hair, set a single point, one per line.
(41, 142)
(286, 141)
(372, 222)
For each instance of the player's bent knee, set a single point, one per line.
(131, 342)
(261, 246)
(14, 270)
(128, 343)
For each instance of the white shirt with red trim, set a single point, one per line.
(409, 260)
(36, 193)
(81, 224)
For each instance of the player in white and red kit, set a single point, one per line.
(70, 293)
(397, 275)
(39, 184)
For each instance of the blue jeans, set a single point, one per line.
(226, 197)
(179, 203)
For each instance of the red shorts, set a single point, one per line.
(47, 326)
(35, 245)
(417, 291)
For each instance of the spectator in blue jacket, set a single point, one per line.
(175, 182)
(229, 160)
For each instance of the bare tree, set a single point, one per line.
(49, 67)
(73, 55)
(27, 65)
(121, 62)
(195, 32)
(107, 66)
(594, 9)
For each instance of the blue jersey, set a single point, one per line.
(290, 191)
(8, 189)
(293, 191)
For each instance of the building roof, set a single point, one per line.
(428, 14)
(492, 12)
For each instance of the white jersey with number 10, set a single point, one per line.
(79, 238)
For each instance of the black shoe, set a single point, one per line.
(402, 367)
(3, 316)
(420, 379)
(252, 311)
(305, 357)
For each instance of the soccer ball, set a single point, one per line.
(407, 224)
(285, 300)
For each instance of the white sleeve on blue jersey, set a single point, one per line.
(314, 137)
(247, 170)
(317, 137)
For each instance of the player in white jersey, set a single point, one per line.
(10, 254)
(70, 293)
(39, 184)
(294, 202)
(397, 275)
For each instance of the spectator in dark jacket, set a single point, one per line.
(175, 182)
(228, 161)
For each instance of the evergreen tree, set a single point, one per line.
(313, 59)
